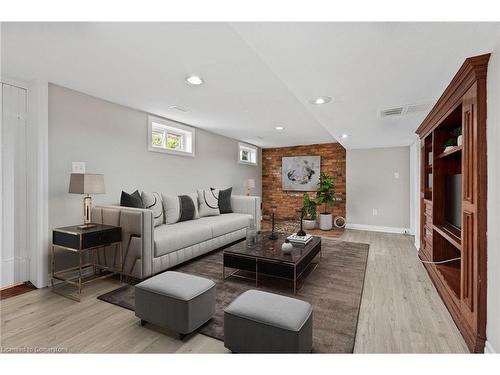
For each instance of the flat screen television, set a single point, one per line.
(453, 200)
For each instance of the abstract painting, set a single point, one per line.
(300, 173)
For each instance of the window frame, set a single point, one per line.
(253, 149)
(161, 125)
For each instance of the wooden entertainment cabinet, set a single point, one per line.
(453, 199)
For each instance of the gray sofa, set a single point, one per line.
(148, 250)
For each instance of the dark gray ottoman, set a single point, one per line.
(174, 300)
(260, 322)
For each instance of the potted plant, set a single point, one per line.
(458, 134)
(309, 212)
(326, 196)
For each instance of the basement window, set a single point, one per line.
(247, 154)
(170, 137)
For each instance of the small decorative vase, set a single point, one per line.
(251, 234)
(459, 140)
(287, 247)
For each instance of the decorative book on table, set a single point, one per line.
(299, 239)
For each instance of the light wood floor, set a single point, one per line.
(401, 312)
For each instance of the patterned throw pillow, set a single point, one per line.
(180, 207)
(152, 201)
(208, 202)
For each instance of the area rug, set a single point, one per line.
(334, 289)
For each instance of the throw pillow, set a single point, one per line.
(152, 201)
(225, 201)
(131, 200)
(208, 202)
(180, 208)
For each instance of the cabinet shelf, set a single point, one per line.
(450, 152)
(452, 235)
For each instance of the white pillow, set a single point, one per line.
(180, 207)
(208, 202)
(152, 201)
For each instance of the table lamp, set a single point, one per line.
(86, 183)
(250, 185)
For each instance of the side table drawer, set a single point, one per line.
(100, 238)
(65, 239)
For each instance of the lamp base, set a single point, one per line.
(85, 226)
(301, 233)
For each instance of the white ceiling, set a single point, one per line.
(257, 75)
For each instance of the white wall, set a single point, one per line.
(371, 184)
(112, 140)
(493, 144)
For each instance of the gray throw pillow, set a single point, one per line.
(225, 201)
(208, 202)
(180, 207)
(152, 201)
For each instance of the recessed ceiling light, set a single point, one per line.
(321, 100)
(279, 128)
(194, 80)
(345, 136)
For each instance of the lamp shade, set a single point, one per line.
(86, 183)
(251, 183)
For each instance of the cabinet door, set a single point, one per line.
(469, 281)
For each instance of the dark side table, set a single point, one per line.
(82, 240)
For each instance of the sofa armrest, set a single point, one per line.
(137, 236)
(243, 204)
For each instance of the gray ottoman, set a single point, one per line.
(260, 322)
(174, 300)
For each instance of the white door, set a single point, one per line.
(14, 252)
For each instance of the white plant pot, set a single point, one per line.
(308, 224)
(459, 140)
(325, 221)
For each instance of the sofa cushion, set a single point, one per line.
(153, 202)
(225, 201)
(208, 202)
(180, 207)
(133, 200)
(227, 223)
(173, 237)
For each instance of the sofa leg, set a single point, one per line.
(143, 322)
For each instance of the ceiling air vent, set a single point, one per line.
(405, 110)
(414, 108)
(398, 111)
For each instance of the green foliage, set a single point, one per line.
(326, 191)
(309, 207)
(456, 132)
(156, 138)
(451, 142)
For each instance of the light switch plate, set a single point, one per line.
(396, 175)
(78, 167)
(375, 212)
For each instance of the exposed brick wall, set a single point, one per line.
(333, 162)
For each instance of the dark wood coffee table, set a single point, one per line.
(267, 258)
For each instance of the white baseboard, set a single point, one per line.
(375, 228)
(488, 348)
